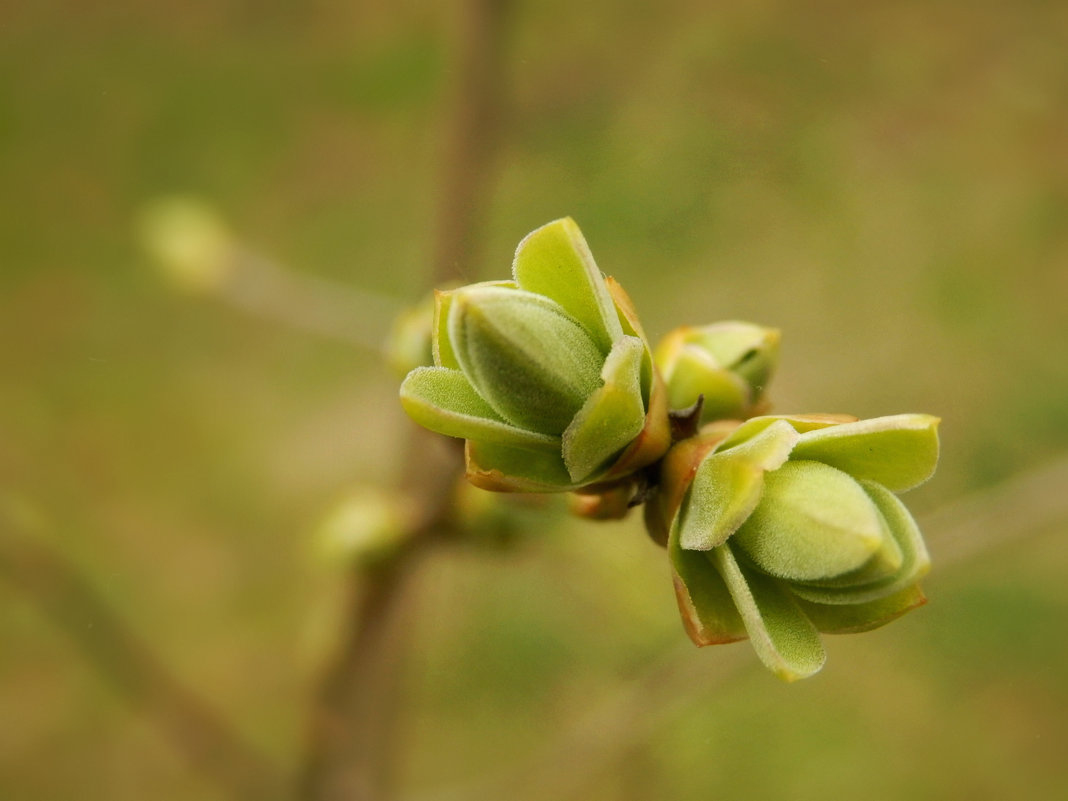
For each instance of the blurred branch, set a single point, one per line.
(308, 303)
(627, 716)
(473, 137)
(350, 753)
(624, 718)
(60, 591)
(983, 521)
(352, 745)
(193, 247)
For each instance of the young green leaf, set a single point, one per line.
(723, 494)
(783, 637)
(611, 417)
(525, 355)
(707, 609)
(443, 401)
(898, 452)
(812, 522)
(857, 617)
(556, 262)
(914, 561)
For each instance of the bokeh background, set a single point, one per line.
(885, 182)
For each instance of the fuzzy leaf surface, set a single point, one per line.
(899, 452)
(812, 522)
(723, 494)
(524, 355)
(444, 401)
(706, 605)
(502, 468)
(915, 561)
(784, 638)
(853, 618)
(612, 416)
(555, 261)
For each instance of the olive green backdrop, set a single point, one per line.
(886, 182)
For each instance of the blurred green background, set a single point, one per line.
(886, 182)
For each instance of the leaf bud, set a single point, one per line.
(548, 377)
(729, 364)
(788, 526)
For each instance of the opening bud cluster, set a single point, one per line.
(777, 528)
(548, 377)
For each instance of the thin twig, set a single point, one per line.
(350, 753)
(352, 747)
(266, 289)
(1027, 503)
(473, 137)
(59, 590)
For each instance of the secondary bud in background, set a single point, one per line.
(729, 363)
(189, 242)
(410, 341)
(364, 527)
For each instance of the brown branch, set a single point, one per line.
(350, 753)
(205, 739)
(352, 748)
(473, 137)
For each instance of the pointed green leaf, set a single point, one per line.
(443, 401)
(524, 355)
(707, 609)
(506, 469)
(767, 448)
(748, 350)
(783, 637)
(915, 561)
(883, 567)
(750, 428)
(628, 319)
(812, 522)
(443, 352)
(555, 261)
(851, 618)
(695, 373)
(898, 452)
(612, 416)
(724, 492)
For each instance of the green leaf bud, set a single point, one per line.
(787, 526)
(729, 364)
(189, 242)
(548, 377)
(363, 527)
(530, 360)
